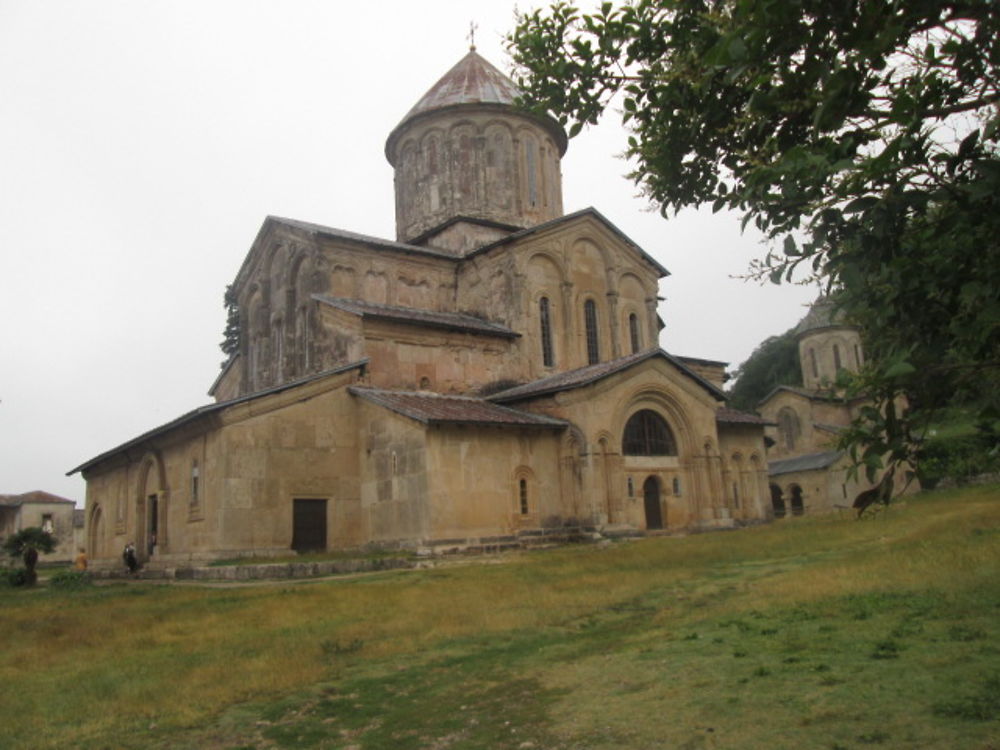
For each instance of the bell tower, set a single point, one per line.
(470, 167)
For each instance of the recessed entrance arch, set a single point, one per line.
(777, 501)
(651, 503)
(798, 508)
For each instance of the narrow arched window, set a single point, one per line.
(633, 332)
(836, 358)
(789, 427)
(857, 355)
(812, 361)
(590, 324)
(546, 323)
(648, 434)
(523, 496)
(194, 482)
(631, 487)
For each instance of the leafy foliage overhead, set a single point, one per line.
(870, 128)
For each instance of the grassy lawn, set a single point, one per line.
(808, 633)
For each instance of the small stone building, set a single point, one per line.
(490, 376)
(806, 472)
(42, 510)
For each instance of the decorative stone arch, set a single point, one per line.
(95, 531)
(151, 495)
(572, 450)
(755, 483)
(275, 268)
(610, 471)
(583, 243)
(737, 485)
(789, 427)
(668, 407)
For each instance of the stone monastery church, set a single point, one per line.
(489, 378)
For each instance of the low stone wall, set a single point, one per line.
(262, 571)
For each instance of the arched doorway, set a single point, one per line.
(150, 531)
(777, 501)
(651, 503)
(797, 506)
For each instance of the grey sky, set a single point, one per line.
(143, 143)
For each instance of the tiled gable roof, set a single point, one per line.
(725, 415)
(211, 408)
(35, 496)
(808, 462)
(416, 317)
(582, 376)
(434, 408)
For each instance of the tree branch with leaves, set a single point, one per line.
(870, 129)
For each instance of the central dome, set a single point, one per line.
(465, 152)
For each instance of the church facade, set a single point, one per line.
(489, 377)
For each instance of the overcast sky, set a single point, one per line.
(143, 143)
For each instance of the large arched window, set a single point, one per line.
(546, 322)
(648, 434)
(590, 324)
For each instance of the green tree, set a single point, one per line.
(774, 362)
(26, 544)
(867, 127)
(230, 344)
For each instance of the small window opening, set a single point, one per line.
(677, 486)
(631, 487)
(836, 358)
(812, 361)
(47, 525)
(590, 323)
(736, 495)
(523, 496)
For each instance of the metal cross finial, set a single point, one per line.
(472, 35)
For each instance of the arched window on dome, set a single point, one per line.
(648, 434)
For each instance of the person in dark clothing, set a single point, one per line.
(128, 555)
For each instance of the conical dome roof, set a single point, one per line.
(822, 314)
(473, 81)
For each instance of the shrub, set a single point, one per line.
(70, 579)
(17, 577)
(960, 458)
